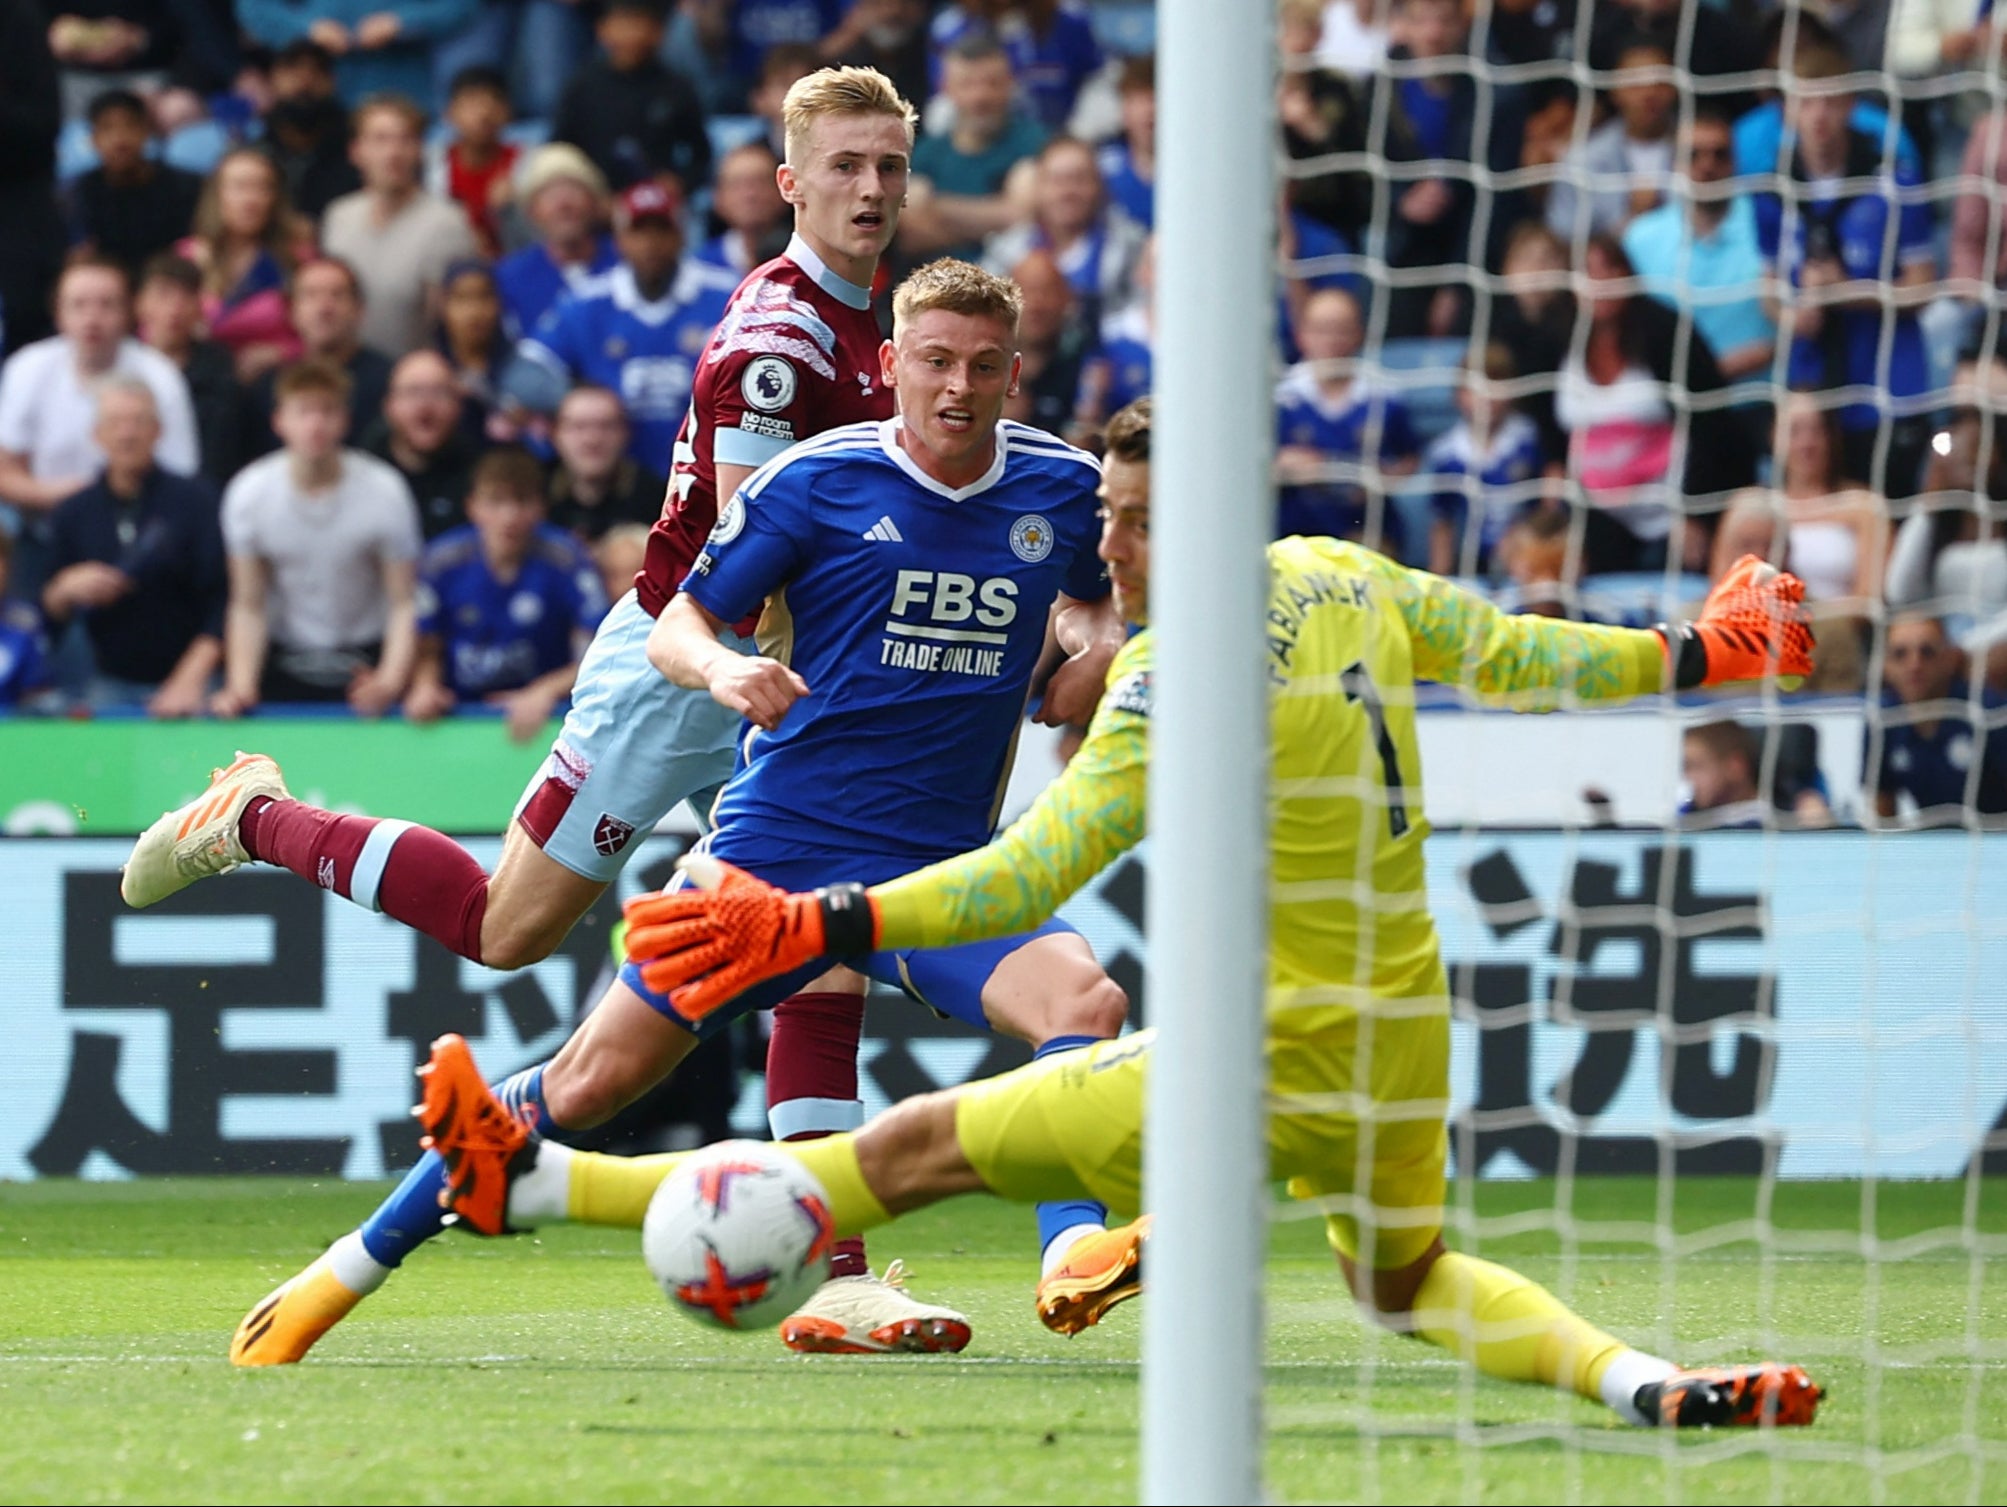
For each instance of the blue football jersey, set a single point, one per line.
(647, 352)
(1119, 372)
(1136, 194)
(1934, 763)
(1874, 235)
(1495, 482)
(915, 613)
(23, 652)
(1366, 414)
(1050, 67)
(500, 635)
(530, 282)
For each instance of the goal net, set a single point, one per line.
(1579, 304)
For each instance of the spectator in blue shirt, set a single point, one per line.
(1338, 433)
(1095, 244)
(23, 651)
(1926, 743)
(379, 46)
(1129, 163)
(974, 179)
(139, 557)
(1858, 261)
(564, 198)
(1722, 765)
(1698, 252)
(1760, 133)
(506, 605)
(1051, 44)
(759, 26)
(1305, 249)
(537, 44)
(1719, 764)
(1437, 117)
(1119, 369)
(1485, 468)
(639, 329)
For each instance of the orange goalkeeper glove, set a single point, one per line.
(706, 945)
(1752, 626)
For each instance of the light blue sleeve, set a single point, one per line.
(275, 23)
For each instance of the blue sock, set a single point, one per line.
(411, 1215)
(1055, 1219)
(522, 1095)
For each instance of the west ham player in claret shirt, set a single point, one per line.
(633, 745)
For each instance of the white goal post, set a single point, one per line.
(1203, 1166)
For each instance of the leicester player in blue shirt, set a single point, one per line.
(909, 570)
(638, 329)
(506, 605)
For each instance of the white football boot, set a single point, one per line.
(199, 839)
(870, 1315)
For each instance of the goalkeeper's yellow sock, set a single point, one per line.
(833, 1160)
(611, 1188)
(1511, 1327)
(589, 1187)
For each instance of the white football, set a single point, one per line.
(739, 1235)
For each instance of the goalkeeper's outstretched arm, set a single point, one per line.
(703, 948)
(1080, 823)
(1752, 626)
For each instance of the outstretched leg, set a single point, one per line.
(1052, 993)
(623, 1048)
(408, 872)
(1510, 1327)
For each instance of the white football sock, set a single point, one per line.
(542, 1195)
(1630, 1370)
(1057, 1247)
(354, 1267)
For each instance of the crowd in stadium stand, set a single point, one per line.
(347, 339)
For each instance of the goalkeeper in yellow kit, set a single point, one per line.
(1358, 1001)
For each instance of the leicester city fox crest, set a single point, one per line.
(1031, 538)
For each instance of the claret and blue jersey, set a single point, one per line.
(915, 612)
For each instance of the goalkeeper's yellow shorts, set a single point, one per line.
(1071, 1126)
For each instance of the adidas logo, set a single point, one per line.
(885, 531)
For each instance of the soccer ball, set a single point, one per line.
(739, 1235)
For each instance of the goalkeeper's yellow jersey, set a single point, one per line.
(1349, 635)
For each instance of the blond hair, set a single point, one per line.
(960, 288)
(840, 91)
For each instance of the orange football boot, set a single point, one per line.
(1766, 1394)
(285, 1324)
(1099, 1271)
(475, 1136)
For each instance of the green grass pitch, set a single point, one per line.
(547, 1368)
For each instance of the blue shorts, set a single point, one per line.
(631, 748)
(948, 980)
